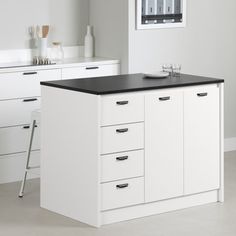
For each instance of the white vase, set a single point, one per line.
(89, 43)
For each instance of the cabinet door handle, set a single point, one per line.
(122, 130)
(202, 94)
(27, 127)
(122, 103)
(122, 158)
(92, 68)
(30, 100)
(164, 99)
(30, 73)
(122, 185)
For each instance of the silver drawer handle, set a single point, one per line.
(122, 186)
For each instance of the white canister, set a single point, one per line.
(89, 43)
(43, 47)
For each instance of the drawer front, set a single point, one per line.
(12, 167)
(122, 138)
(122, 193)
(122, 166)
(119, 109)
(25, 84)
(90, 71)
(15, 139)
(18, 111)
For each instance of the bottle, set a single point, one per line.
(89, 43)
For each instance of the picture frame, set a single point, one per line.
(159, 14)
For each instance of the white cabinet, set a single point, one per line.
(122, 165)
(155, 152)
(122, 193)
(90, 71)
(25, 84)
(120, 109)
(163, 145)
(122, 138)
(20, 95)
(18, 111)
(15, 139)
(201, 139)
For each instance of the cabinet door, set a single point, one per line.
(90, 71)
(201, 135)
(25, 84)
(163, 145)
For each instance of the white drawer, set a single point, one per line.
(18, 111)
(25, 84)
(15, 139)
(122, 138)
(119, 109)
(90, 71)
(122, 193)
(12, 167)
(122, 166)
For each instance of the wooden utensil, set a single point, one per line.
(45, 31)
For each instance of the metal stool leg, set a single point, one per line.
(32, 127)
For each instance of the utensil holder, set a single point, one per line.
(43, 47)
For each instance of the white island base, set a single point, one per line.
(116, 157)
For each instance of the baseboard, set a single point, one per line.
(143, 210)
(230, 144)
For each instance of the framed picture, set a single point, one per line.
(157, 14)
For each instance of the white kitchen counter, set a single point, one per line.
(66, 63)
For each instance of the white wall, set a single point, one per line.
(110, 21)
(68, 19)
(207, 46)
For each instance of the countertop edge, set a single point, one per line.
(67, 64)
(217, 81)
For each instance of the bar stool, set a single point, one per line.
(35, 119)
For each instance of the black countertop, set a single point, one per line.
(128, 83)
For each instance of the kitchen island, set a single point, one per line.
(121, 147)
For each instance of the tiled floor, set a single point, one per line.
(23, 217)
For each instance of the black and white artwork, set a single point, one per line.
(160, 13)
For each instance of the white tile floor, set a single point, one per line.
(23, 217)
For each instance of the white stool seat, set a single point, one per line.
(35, 119)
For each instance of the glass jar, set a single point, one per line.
(57, 53)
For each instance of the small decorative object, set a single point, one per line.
(153, 14)
(57, 53)
(89, 43)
